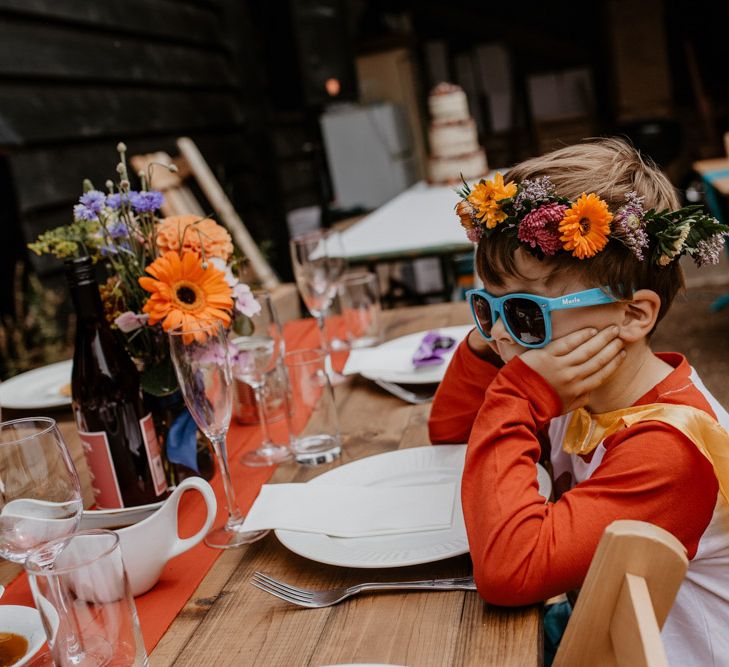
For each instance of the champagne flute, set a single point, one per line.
(256, 356)
(318, 260)
(202, 365)
(253, 361)
(41, 493)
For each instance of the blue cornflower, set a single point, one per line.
(116, 200)
(81, 212)
(93, 200)
(117, 230)
(147, 202)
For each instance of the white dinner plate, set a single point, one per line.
(118, 518)
(37, 389)
(406, 346)
(404, 467)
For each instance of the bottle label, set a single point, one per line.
(104, 483)
(154, 456)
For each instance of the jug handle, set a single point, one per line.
(201, 486)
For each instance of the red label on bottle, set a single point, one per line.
(153, 454)
(101, 467)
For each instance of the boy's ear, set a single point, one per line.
(640, 315)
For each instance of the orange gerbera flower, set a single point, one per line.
(586, 226)
(186, 233)
(185, 295)
(485, 198)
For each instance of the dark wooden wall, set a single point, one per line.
(77, 76)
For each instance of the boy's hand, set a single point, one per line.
(578, 363)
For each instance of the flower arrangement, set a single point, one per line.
(163, 273)
(546, 223)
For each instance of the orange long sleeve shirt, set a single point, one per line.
(525, 550)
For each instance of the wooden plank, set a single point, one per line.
(47, 176)
(166, 20)
(59, 113)
(626, 547)
(634, 631)
(83, 55)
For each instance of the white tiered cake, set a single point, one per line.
(453, 137)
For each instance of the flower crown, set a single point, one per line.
(547, 224)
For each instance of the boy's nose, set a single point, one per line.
(499, 332)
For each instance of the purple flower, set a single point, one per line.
(708, 251)
(81, 212)
(116, 200)
(93, 200)
(245, 302)
(117, 230)
(533, 191)
(214, 353)
(475, 233)
(147, 202)
(628, 226)
(540, 228)
(129, 321)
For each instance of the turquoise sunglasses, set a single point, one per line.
(527, 316)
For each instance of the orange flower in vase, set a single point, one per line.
(191, 233)
(186, 295)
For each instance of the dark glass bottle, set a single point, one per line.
(118, 436)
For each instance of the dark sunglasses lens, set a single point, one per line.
(526, 320)
(483, 313)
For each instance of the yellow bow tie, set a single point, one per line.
(586, 431)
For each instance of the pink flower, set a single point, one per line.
(474, 234)
(129, 321)
(245, 302)
(540, 228)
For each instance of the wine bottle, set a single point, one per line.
(118, 437)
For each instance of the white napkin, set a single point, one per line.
(374, 359)
(352, 511)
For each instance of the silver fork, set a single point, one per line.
(305, 597)
(402, 393)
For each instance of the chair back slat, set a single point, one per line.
(634, 631)
(616, 617)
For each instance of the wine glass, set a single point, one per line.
(319, 262)
(40, 492)
(253, 360)
(202, 365)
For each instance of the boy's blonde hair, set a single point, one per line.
(610, 168)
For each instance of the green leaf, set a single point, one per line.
(160, 379)
(243, 325)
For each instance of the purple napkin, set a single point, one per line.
(432, 349)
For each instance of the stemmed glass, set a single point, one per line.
(202, 365)
(319, 262)
(256, 356)
(40, 497)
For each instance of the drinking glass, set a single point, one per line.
(313, 421)
(319, 262)
(83, 596)
(359, 296)
(40, 495)
(202, 365)
(256, 358)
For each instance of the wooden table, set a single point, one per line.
(229, 622)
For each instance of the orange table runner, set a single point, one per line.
(182, 575)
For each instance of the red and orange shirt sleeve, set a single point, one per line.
(459, 396)
(525, 550)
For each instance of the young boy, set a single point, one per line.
(554, 378)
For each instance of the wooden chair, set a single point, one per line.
(179, 200)
(630, 587)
